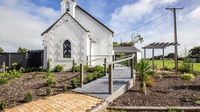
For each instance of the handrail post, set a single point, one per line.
(110, 79)
(132, 69)
(81, 75)
(105, 66)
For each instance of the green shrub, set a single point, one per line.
(50, 81)
(58, 68)
(28, 97)
(184, 67)
(187, 78)
(86, 67)
(2, 105)
(15, 74)
(64, 87)
(89, 77)
(49, 91)
(4, 78)
(99, 68)
(74, 82)
(76, 68)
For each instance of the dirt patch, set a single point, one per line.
(167, 92)
(14, 92)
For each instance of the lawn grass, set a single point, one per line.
(170, 64)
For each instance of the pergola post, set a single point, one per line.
(110, 79)
(153, 59)
(163, 58)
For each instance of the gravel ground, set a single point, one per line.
(166, 92)
(13, 92)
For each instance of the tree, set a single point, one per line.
(1, 50)
(142, 69)
(22, 50)
(195, 52)
(137, 38)
(170, 55)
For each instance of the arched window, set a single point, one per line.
(67, 49)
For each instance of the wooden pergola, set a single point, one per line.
(157, 45)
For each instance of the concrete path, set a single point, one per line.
(99, 87)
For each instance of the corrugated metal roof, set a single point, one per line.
(125, 49)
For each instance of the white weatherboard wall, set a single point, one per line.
(103, 47)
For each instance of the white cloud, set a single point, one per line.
(22, 23)
(195, 14)
(136, 14)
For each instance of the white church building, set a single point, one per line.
(76, 36)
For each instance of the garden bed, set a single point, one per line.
(168, 91)
(14, 92)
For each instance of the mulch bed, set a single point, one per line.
(166, 92)
(13, 93)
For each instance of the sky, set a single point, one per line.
(23, 21)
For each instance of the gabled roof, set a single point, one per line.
(48, 29)
(94, 18)
(126, 49)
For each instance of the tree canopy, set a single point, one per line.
(22, 50)
(135, 39)
(1, 50)
(195, 52)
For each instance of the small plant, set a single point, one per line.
(76, 68)
(33, 75)
(48, 75)
(89, 77)
(40, 68)
(65, 87)
(28, 97)
(58, 68)
(50, 81)
(160, 76)
(22, 70)
(4, 78)
(49, 91)
(164, 73)
(184, 99)
(142, 68)
(187, 78)
(14, 65)
(2, 105)
(74, 82)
